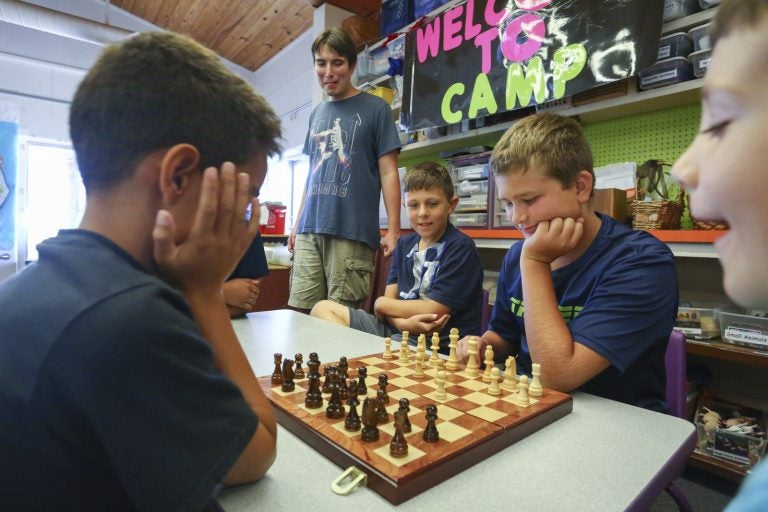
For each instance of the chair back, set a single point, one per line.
(674, 362)
(486, 312)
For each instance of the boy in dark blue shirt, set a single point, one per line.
(435, 282)
(588, 298)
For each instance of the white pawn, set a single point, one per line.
(419, 373)
(421, 343)
(403, 351)
(488, 363)
(494, 388)
(535, 388)
(387, 349)
(522, 391)
(440, 365)
(473, 364)
(453, 360)
(434, 357)
(510, 375)
(440, 393)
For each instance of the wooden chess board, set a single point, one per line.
(473, 425)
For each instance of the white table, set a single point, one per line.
(602, 456)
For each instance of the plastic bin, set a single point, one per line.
(467, 188)
(698, 323)
(424, 7)
(665, 72)
(700, 62)
(470, 219)
(730, 432)
(385, 93)
(472, 172)
(700, 37)
(476, 202)
(276, 221)
(707, 4)
(674, 45)
(674, 9)
(745, 330)
(394, 15)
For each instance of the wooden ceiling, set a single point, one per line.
(246, 32)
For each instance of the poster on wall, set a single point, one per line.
(9, 132)
(484, 57)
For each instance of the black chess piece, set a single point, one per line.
(381, 408)
(335, 408)
(431, 434)
(352, 421)
(343, 367)
(405, 408)
(287, 375)
(299, 371)
(370, 420)
(398, 447)
(277, 375)
(362, 373)
(326, 388)
(343, 388)
(314, 398)
(383, 381)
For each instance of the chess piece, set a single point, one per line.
(522, 392)
(370, 421)
(440, 365)
(314, 398)
(453, 360)
(405, 408)
(362, 388)
(535, 389)
(435, 348)
(431, 435)
(343, 368)
(473, 364)
(343, 388)
(440, 393)
(403, 351)
(510, 375)
(421, 345)
(494, 389)
(287, 376)
(381, 408)
(299, 371)
(352, 422)
(383, 381)
(387, 348)
(419, 373)
(277, 375)
(398, 447)
(335, 408)
(325, 388)
(488, 363)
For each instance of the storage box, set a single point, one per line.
(665, 72)
(674, 9)
(471, 172)
(467, 188)
(730, 432)
(674, 45)
(384, 92)
(395, 14)
(746, 330)
(276, 222)
(476, 202)
(699, 323)
(700, 37)
(707, 4)
(424, 7)
(470, 219)
(700, 62)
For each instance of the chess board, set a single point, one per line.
(472, 424)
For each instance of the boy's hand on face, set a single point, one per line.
(219, 234)
(553, 239)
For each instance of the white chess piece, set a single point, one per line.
(522, 391)
(488, 363)
(535, 389)
(453, 360)
(387, 348)
(403, 351)
(510, 375)
(419, 373)
(494, 388)
(440, 393)
(473, 364)
(434, 357)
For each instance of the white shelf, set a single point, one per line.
(688, 22)
(679, 249)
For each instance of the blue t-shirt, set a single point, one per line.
(109, 397)
(253, 264)
(618, 299)
(345, 140)
(449, 272)
(753, 495)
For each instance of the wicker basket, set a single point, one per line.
(661, 214)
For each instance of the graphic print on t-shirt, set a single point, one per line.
(332, 143)
(424, 264)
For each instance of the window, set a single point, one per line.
(285, 183)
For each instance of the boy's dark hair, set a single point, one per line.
(552, 143)
(159, 89)
(338, 41)
(427, 175)
(732, 14)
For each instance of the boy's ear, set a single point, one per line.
(178, 167)
(584, 184)
(454, 202)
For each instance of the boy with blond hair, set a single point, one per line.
(588, 298)
(435, 281)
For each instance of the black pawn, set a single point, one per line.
(370, 420)
(335, 409)
(398, 447)
(314, 398)
(383, 381)
(405, 408)
(326, 388)
(343, 367)
(352, 422)
(381, 408)
(299, 371)
(343, 389)
(277, 375)
(430, 432)
(287, 375)
(362, 373)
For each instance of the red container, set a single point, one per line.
(276, 222)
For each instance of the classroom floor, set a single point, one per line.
(705, 492)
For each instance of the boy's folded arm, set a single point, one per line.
(390, 307)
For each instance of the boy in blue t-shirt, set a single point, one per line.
(435, 282)
(588, 298)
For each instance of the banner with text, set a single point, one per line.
(484, 57)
